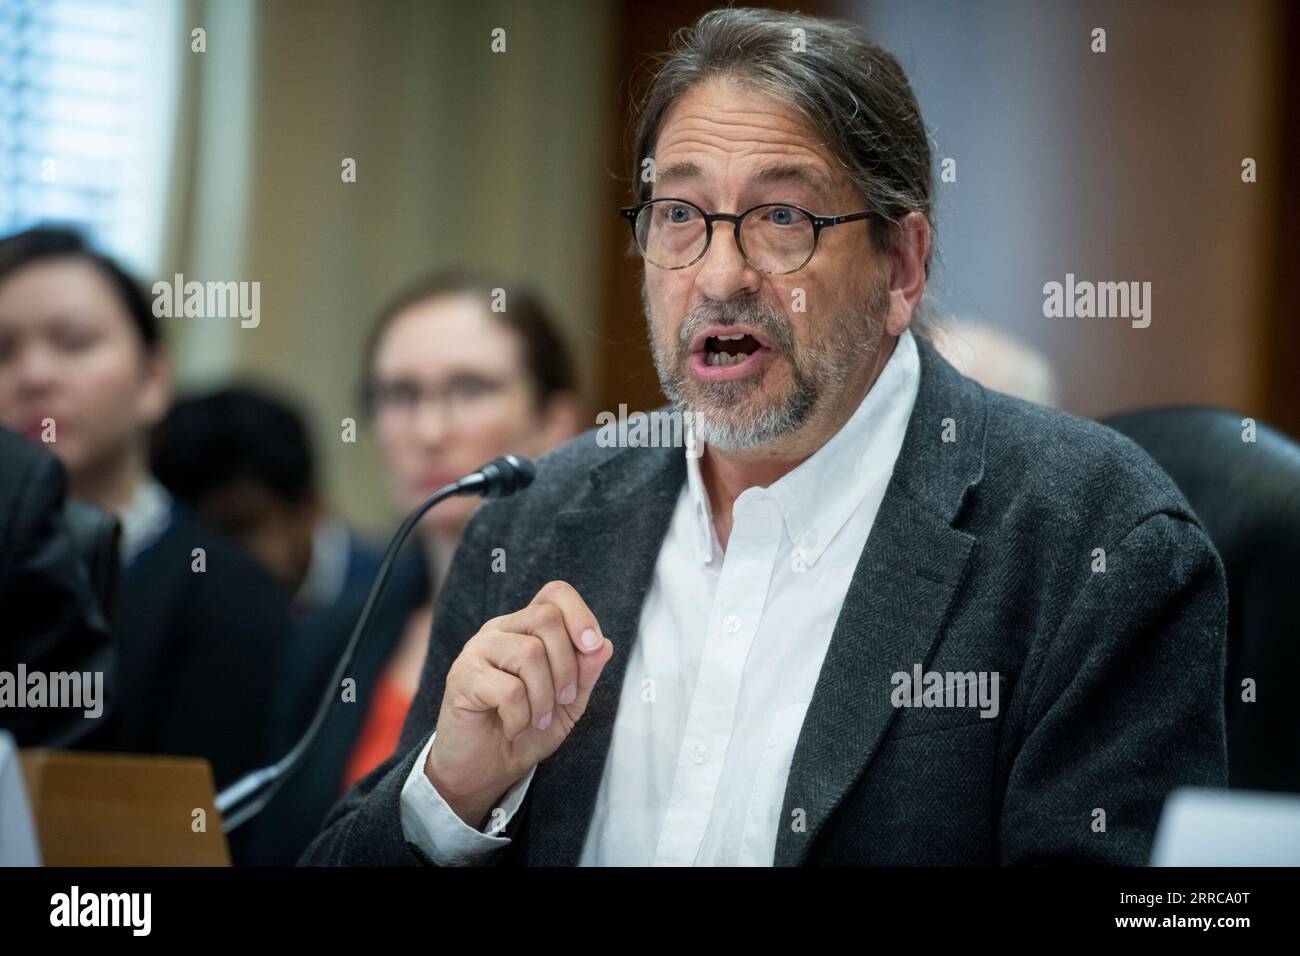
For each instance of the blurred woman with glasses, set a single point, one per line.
(458, 370)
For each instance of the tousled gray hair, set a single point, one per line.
(851, 92)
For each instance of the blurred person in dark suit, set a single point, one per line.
(53, 622)
(241, 457)
(200, 626)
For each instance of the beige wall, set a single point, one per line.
(1187, 92)
(464, 157)
(1115, 166)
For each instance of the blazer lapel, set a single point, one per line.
(606, 547)
(909, 571)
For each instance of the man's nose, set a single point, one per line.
(725, 273)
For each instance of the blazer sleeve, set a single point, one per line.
(365, 827)
(1126, 703)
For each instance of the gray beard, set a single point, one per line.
(736, 416)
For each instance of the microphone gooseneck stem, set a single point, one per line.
(247, 796)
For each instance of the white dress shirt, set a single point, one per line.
(728, 650)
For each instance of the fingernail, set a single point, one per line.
(569, 694)
(589, 639)
(545, 721)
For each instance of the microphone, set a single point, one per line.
(249, 795)
(499, 478)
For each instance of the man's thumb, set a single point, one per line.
(589, 670)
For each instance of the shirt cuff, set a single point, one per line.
(433, 826)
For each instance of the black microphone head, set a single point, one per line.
(505, 475)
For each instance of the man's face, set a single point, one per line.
(69, 352)
(810, 337)
(276, 532)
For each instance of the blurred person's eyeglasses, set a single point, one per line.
(776, 238)
(463, 396)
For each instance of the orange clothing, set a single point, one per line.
(380, 731)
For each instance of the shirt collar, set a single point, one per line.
(328, 571)
(817, 498)
(144, 518)
(701, 513)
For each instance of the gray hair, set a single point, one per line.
(851, 92)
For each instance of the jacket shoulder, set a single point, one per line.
(564, 475)
(572, 462)
(1074, 466)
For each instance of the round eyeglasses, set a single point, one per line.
(776, 238)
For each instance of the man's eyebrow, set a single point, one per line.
(801, 173)
(795, 172)
(683, 169)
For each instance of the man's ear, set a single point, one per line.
(156, 390)
(561, 419)
(908, 254)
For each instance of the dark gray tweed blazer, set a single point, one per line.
(981, 559)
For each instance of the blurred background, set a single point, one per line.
(225, 164)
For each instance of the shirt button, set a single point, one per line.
(700, 753)
(731, 624)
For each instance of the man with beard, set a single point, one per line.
(886, 616)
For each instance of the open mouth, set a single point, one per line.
(729, 349)
(728, 355)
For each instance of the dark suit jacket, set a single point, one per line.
(200, 653)
(981, 559)
(50, 619)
